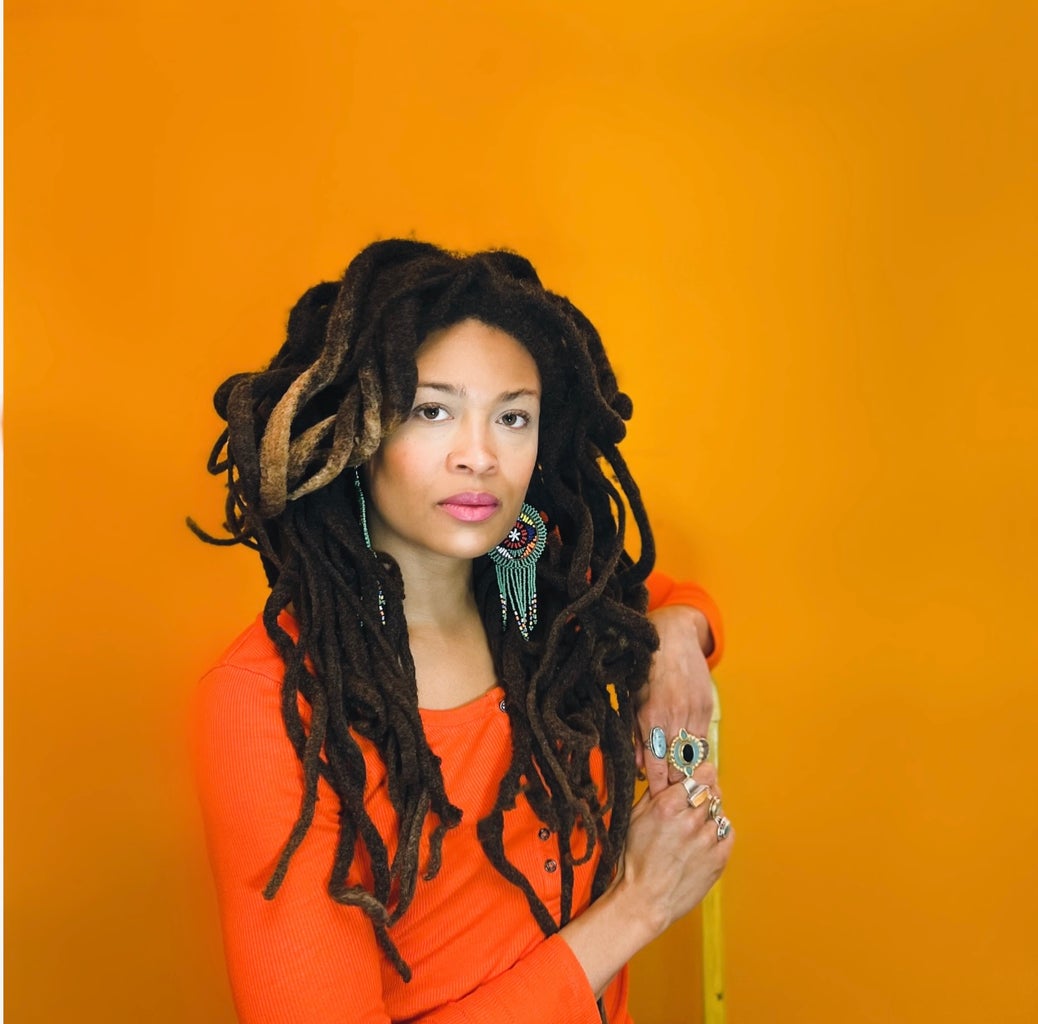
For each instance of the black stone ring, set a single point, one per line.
(688, 752)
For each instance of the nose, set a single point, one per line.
(473, 449)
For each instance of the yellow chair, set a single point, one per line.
(713, 938)
(654, 987)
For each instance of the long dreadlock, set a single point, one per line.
(342, 381)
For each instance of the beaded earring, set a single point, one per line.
(515, 563)
(363, 506)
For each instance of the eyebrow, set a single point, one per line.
(451, 389)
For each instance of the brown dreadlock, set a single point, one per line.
(344, 378)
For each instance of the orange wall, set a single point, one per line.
(807, 232)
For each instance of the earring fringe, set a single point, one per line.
(362, 503)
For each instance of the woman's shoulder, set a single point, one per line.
(249, 777)
(242, 689)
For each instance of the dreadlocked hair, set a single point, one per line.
(342, 381)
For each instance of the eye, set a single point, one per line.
(431, 412)
(515, 420)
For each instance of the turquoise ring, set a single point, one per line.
(657, 743)
(688, 752)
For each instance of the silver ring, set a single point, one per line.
(696, 792)
(657, 743)
(724, 827)
(714, 809)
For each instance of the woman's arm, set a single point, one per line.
(679, 693)
(665, 592)
(671, 859)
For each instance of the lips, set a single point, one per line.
(470, 506)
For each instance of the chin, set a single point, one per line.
(476, 543)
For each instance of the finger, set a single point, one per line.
(703, 794)
(657, 776)
(708, 822)
(684, 750)
(685, 807)
(713, 798)
(660, 771)
(656, 768)
(652, 736)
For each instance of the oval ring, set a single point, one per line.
(688, 752)
(657, 743)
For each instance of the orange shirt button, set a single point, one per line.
(551, 865)
(544, 834)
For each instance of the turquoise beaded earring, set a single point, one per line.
(515, 562)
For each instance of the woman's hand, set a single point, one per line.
(671, 859)
(672, 855)
(679, 693)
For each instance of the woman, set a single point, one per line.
(417, 768)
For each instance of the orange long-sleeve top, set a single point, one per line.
(476, 952)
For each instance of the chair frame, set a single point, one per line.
(713, 934)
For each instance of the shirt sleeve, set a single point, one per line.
(301, 958)
(665, 591)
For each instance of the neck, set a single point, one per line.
(437, 593)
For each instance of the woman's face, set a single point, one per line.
(450, 480)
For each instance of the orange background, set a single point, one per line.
(807, 232)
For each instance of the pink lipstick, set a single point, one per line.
(470, 506)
